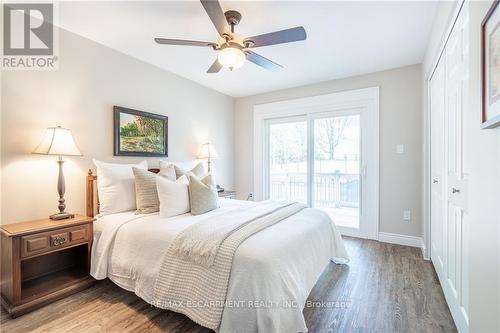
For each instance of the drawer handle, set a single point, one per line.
(59, 240)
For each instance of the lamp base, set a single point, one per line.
(61, 216)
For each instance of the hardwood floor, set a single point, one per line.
(385, 288)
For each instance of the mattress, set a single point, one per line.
(272, 274)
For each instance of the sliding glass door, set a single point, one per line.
(288, 164)
(336, 177)
(316, 159)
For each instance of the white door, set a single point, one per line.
(448, 97)
(438, 107)
(457, 78)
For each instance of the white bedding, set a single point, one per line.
(272, 274)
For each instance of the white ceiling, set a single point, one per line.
(343, 38)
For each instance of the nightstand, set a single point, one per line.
(43, 261)
(228, 194)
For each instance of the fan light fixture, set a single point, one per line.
(234, 49)
(231, 57)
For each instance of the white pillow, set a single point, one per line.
(174, 196)
(116, 186)
(203, 195)
(177, 169)
(186, 165)
(167, 170)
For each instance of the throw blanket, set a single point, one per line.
(195, 270)
(200, 242)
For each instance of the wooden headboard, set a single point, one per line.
(92, 197)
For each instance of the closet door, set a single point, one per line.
(449, 220)
(457, 78)
(438, 190)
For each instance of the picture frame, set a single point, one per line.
(490, 67)
(139, 133)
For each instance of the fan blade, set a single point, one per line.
(168, 41)
(262, 61)
(278, 37)
(215, 68)
(214, 11)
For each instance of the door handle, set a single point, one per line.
(455, 190)
(435, 181)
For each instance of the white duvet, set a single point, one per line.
(272, 274)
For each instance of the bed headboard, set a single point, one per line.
(92, 197)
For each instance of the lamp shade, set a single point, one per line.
(231, 57)
(57, 141)
(208, 151)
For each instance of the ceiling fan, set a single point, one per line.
(233, 49)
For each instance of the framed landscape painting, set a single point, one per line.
(138, 133)
(490, 30)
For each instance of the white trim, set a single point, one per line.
(366, 99)
(321, 103)
(427, 179)
(386, 237)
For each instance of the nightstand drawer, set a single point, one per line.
(35, 244)
(48, 241)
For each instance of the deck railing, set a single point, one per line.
(330, 189)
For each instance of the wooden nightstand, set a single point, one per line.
(43, 261)
(228, 194)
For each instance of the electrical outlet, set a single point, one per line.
(400, 148)
(407, 215)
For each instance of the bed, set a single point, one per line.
(272, 272)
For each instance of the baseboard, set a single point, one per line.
(412, 241)
(425, 255)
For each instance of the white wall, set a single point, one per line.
(482, 157)
(400, 122)
(482, 151)
(80, 95)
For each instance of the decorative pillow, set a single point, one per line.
(173, 195)
(146, 195)
(198, 171)
(167, 170)
(116, 186)
(173, 170)
(203, 194)
(186, 165)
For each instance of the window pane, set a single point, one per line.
(288, 161)
(336, 168)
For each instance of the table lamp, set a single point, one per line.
(59, 141)
(208, 151)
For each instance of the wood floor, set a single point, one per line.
(385, 288)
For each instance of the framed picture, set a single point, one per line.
(490, 30)
(138, 133)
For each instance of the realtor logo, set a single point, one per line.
(28, 36)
